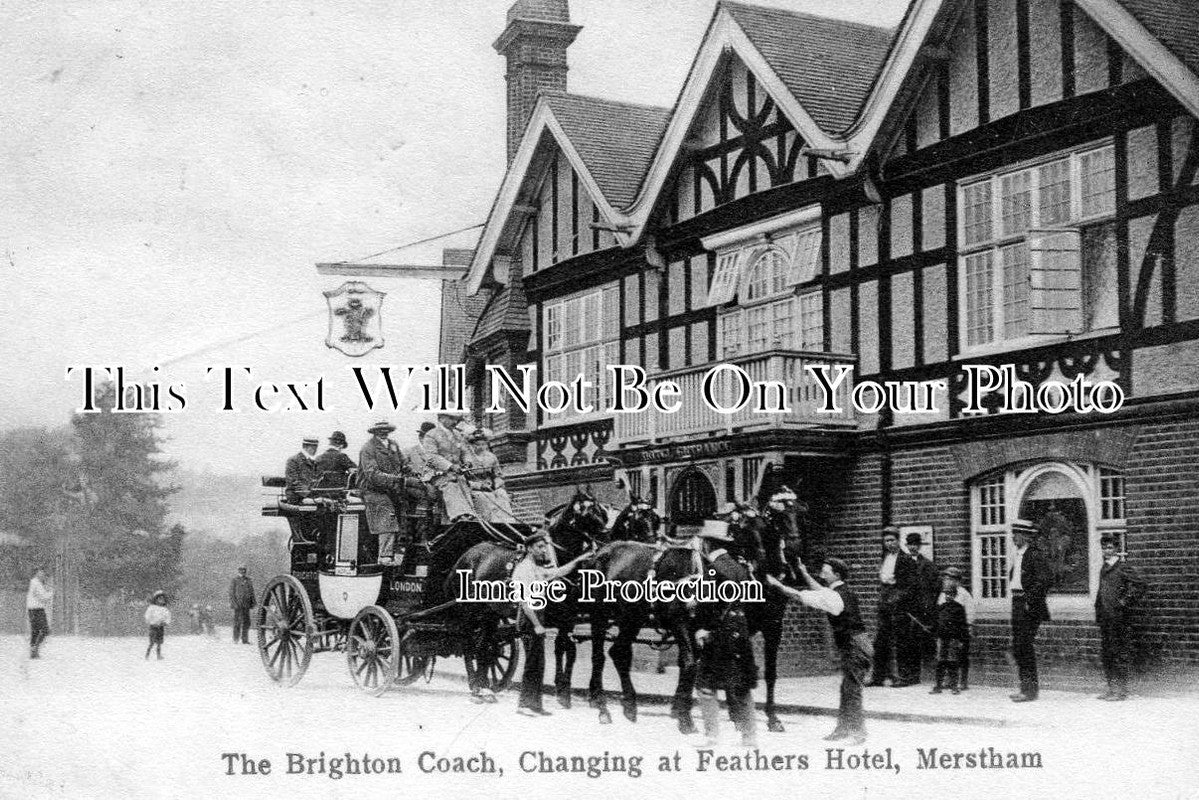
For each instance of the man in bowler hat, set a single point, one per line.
(333, 466)
(1028, 584)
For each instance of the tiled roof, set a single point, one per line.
(828, 64)
(507, 311)
(1175, 23)
(616, 141)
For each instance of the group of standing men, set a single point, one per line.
(909, 588)
(447, 465)
(918, 609)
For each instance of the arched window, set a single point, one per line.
(767, 274)
(1072, 505)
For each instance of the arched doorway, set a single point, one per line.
(693, 499)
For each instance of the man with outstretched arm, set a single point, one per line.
(849, 634)
(533, 572)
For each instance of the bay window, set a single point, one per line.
(582, 336)
(1025, 275)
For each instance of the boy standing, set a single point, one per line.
(952, 630)
(158, 616)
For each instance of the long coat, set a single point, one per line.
(241, 592)
(381, 468)
(332, 467)
(1036, 578)
(1120, 586)
(727, 660)
(927, 588)
(300, 474)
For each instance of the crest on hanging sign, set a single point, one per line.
(355, 318)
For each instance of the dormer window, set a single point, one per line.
(762, 276)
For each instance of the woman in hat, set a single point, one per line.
(485, 480)
(158, 616)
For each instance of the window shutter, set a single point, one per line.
(1055, 282)
(806, 263)
(725, 279)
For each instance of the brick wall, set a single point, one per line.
(1162, 491)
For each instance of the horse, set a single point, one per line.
(635, 562)
(572, 534)
(580, 524)
(771, 541)
(638, 522)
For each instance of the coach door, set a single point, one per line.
(693, 499)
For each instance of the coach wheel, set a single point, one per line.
(372, 650)
(285, 630)
(410, 668)
(501, 667)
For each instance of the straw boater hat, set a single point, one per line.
(310, 441)
(953, 572)
(382, 426)
(715, 529)
(154, 597)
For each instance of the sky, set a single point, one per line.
(173, 171)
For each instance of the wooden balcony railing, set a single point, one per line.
(695, 419)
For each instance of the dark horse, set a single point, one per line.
(573, 532)
(634, 562)
(637, 523)
(771, 541)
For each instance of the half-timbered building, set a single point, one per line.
(992, 182)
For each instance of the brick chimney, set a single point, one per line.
(534, 44)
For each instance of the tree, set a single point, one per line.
(123, 538)
(36, 504)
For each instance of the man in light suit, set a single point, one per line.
(445, 448)
(1120, 586)
(1029, 580)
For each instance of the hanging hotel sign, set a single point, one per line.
(355, 318)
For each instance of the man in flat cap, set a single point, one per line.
(1120, 586)
(333, 466)
(840, 603)
(300, 472)
(1028, 583)
(381, 480)
(445, 448)
(894, 638)
(532, 573)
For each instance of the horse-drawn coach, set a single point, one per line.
(391, 620)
